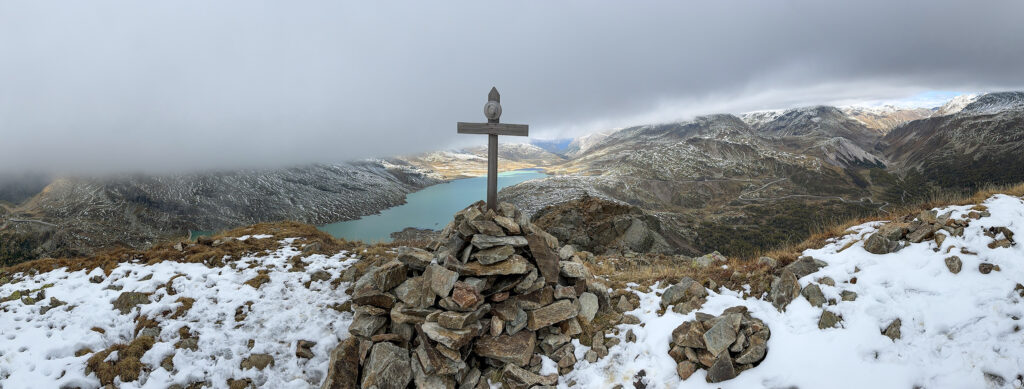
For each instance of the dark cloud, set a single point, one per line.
(129, 85)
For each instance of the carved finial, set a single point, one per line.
(494, 96)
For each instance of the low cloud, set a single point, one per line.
(156, 86)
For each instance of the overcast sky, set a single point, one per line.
(99, 86)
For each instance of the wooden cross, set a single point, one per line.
(492, 110)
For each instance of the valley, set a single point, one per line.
(741, 184)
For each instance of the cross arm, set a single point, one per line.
(494, 129)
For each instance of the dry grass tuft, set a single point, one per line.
(126, 366)
(310, 241)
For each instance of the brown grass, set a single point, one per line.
(790, 253)
(312, 240)
(127, 365)
(741, 271)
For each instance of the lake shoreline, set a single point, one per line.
(429, 208)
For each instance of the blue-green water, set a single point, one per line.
(431, 208)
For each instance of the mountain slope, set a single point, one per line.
(137, 211)
(982, 143)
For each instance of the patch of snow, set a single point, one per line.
(38, 350)
(259, 236)
(956, 328)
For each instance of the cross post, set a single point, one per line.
(492, 110)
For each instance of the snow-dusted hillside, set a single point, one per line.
(201, 323)
(957, 330)
(271, 321)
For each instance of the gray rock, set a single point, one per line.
(783, 290)
(573, 270)
(954, 264)
(623, 305)
(588, 307)
(416, 292)
(516, 377)
(257, 361)
(755, 352)
(847, 295)
(710, 259)
(721, 370)
(685, 369)
(769, 262)
(365, 326)
(453, 339)
(387, 367)
(127, 301)
(481, 241)
(828, 320)
(515, 349)
(878, 244)
(415, 258)
(459, 320)
(343, 368)
(389, 275)
(686, 289)
(487, 227)
(494, 254)
(553, 313)
(804, 266)
(546, 259)
(812, 292)
(566, 252)
(508, 224)
(441, 280)
(893, 330)
(514, 265)
(720, 336)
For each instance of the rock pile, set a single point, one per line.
(491, 296)
(892, 237)
(724, 345)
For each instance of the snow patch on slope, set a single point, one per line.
(38, 350)
(957, 328)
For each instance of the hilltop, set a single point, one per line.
(273, 304)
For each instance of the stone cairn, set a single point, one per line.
(485, 301)
(725, 345)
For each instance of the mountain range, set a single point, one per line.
(739, 183)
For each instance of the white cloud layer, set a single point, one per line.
(158, 86)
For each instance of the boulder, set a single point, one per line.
(546, 259)
(784, 289)
(494, 254)
(804, 266)
(387, 367)
(343, 368)
(553, 313)
(487, 241)
(812, 292)
(686, 289)
(892, 331)
(588, 307)
(515, 349)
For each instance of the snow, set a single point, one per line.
(37, 350)
(956, 328)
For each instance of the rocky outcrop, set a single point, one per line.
(893, 236)
(483, 303)
(603, 227)
(724, 345)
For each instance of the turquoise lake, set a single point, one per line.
(431, 208)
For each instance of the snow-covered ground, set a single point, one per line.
(37, 350)
(956, 328)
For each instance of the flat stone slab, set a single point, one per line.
(514, 265)
(558, 311)
(516, 349)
